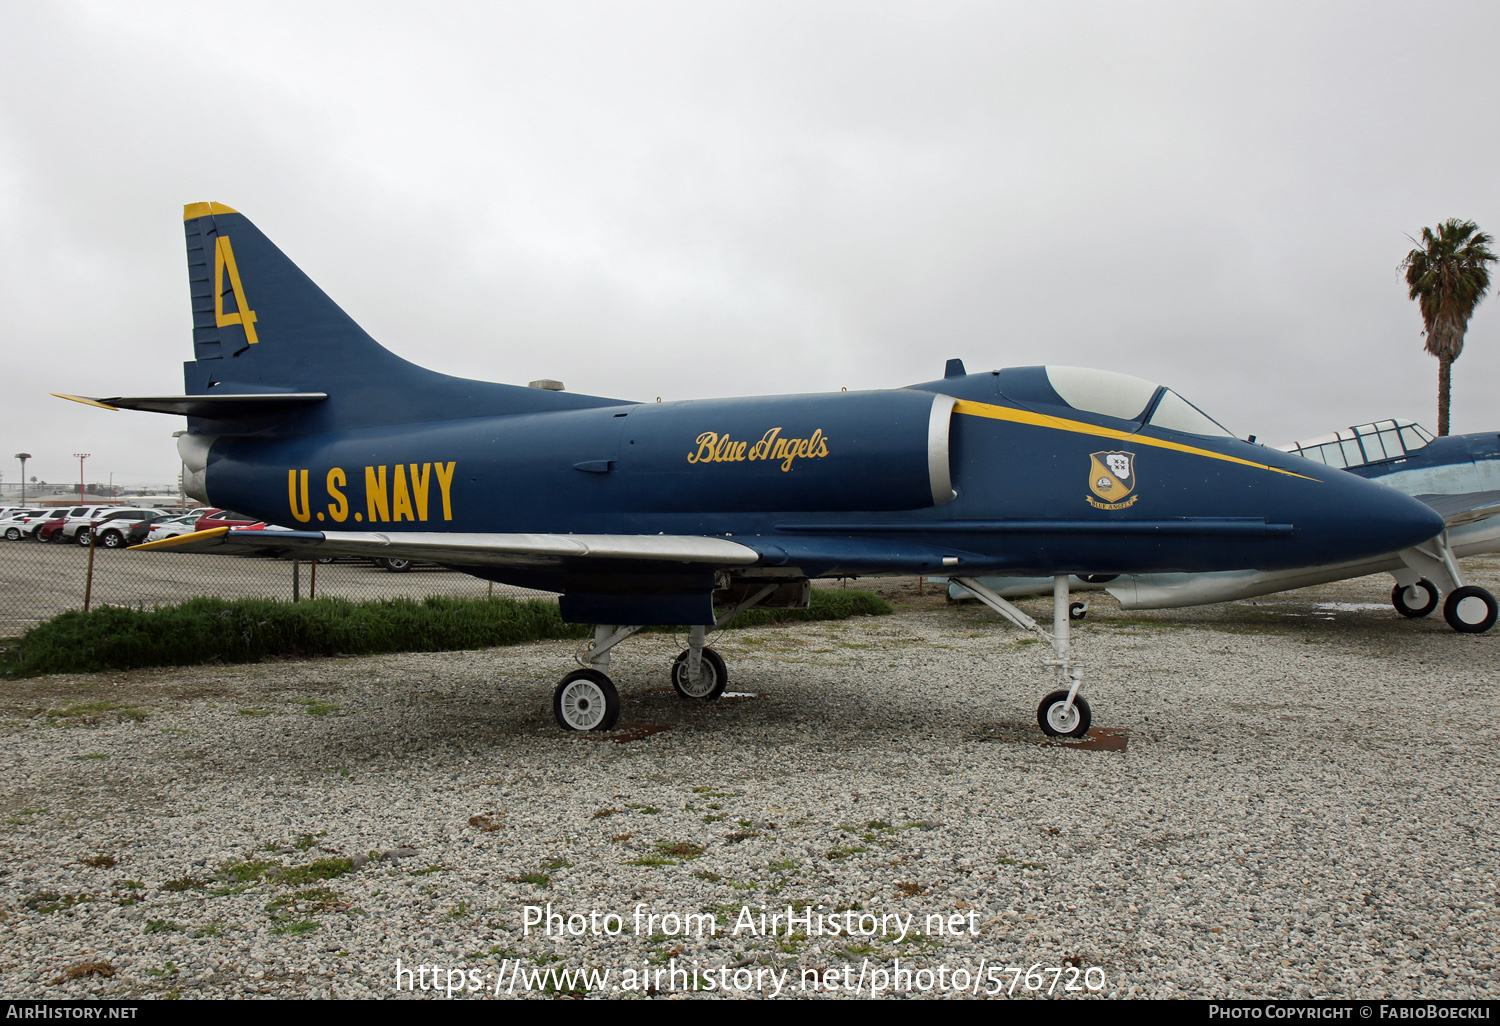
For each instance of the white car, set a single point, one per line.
(13, 522)
(34, 523)
(80, 518)
(173, 527)
(113, 529)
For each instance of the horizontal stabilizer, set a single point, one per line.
(219, 406)
(513, 550)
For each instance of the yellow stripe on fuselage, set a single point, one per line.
(1042, 420)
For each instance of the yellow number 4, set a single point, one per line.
(244, 316)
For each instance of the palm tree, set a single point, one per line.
(1448, 276)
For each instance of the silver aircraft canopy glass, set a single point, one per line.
(1129, 398)
(1104, 392)
(1364, 443)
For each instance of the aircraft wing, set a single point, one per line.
(211, 406)
(508, 550)
(1464, 507)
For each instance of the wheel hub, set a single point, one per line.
(1472, 610)
(582, 703)
(1062, 717)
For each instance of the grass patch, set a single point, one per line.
(318, 869)
(163, 926)
(826, 604)
(211, 630)
(207, 630)
(51, 901)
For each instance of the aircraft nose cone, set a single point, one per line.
(1374, 519)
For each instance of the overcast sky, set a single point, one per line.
(710, 199)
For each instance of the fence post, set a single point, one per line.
(312, 580)
(296, 581)
(88, 588)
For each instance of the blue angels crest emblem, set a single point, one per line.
(1112, 478)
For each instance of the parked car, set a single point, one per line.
(213, 518)
(76, 524)
(113, 529)
(13, 524)
(171, 527)
(50, 530)
(33, 528)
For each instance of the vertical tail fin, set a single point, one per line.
(261, 325)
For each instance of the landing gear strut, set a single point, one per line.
(1063, 713)
(587, 699)
(699, 672)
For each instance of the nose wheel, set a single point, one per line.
(1058, 719)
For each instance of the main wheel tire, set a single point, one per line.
(1470, 610)
(713, 675)
(112, 540)
(1055, 723)
(1418, 600)
(1077, 611)
(12, 534)
(586, 700)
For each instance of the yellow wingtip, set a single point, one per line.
(182, 539)
(86, 401)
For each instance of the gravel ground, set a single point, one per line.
(1289, 798)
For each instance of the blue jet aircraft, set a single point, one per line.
(1457, 475)
(687, 513)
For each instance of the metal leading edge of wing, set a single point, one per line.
(464, 549)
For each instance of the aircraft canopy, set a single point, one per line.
(1363, 443)
(1109, 394)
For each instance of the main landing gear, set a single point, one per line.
(587, 699)
(1431, 569)
(1063, 713)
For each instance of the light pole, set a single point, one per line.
(81, 457)
(23, 457)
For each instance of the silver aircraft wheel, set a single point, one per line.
(1056, 722)
(1470, 610)
(586, 700)
(1077, 611)
(1418, 600)
(713, 675)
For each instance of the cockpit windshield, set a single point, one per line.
(1109, 394)
(1364, 443)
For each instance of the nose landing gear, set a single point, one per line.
(1063, 713)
